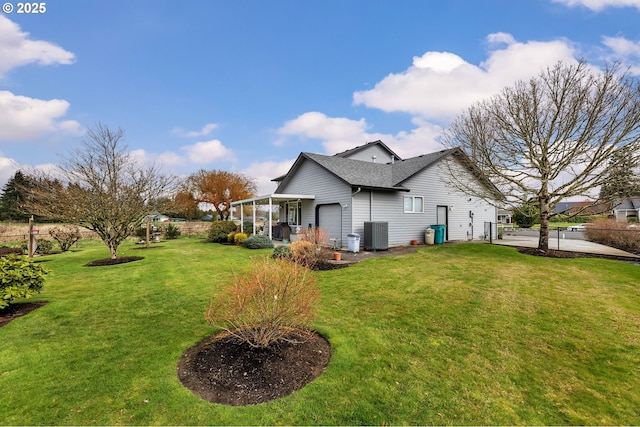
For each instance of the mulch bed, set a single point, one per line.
(15, 310)
(220, 369)
(552, 253)
(109, 261)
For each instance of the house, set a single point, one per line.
(585, 207)
(505, 216)
(628, 209)
(371, 183)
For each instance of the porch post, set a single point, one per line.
(241, 218)
(254, 217)
(270, 218)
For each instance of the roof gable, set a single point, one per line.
(376, 145)
(405, 169)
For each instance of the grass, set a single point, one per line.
(454, 334)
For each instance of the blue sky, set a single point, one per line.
(247, 85)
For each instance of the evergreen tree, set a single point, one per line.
(13, 197)
(622, 180)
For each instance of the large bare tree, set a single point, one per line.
(102, 187)
(218, 188)
(552, 137)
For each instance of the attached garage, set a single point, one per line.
(329, 217)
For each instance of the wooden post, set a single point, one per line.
(148, 230)
(30, 238)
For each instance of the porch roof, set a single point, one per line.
(274, 198)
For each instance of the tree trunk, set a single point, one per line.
(543, 241)
(112, 249)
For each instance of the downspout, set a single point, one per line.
(353, 194)
(370, 205)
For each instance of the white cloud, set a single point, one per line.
(624, 50)
(264, 172)
(23, 118)
(17, 50)
(339, 133)
(165, 159)
(598, 5)
(206, 130)
(439, 85)
(208, 152)
(8, 168)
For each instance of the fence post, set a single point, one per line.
(30, 250)
(558, 238)
(490, 232)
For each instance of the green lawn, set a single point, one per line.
(454, 334)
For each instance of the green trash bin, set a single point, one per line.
(439, 233)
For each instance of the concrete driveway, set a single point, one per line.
(565, 245)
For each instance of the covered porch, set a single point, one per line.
(271, 200)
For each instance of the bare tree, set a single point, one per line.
(101, 187)
(551, 137)
(218, 188)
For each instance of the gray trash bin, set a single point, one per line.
(353, 242)
(429, 236)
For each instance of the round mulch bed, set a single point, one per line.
(220, 369)
(109, 261)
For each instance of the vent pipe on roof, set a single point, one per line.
(393, 159)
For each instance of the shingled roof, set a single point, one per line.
(354, 150)
(358, 173)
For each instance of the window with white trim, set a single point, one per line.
(413, 204)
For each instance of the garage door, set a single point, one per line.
(330, 218)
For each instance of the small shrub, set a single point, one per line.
(239, 238)
(247, 226)
(231, 236)
(141, 233)
(65, 236)
(258, 241)
(45, 246)
(19, 278)
(283, 252)
(274, 301)
(219, 231)
(172, 231)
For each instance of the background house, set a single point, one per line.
(371, 183)
(628, 209)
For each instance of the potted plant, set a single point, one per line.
(337, 256)
(414, 242)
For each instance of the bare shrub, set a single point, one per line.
(65, 236)
(304, 253)
(615, 234)
(273, 301)
(311, 248)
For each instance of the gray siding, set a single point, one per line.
(404, 227)
(382, 155)
(312, 179)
